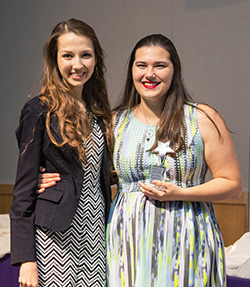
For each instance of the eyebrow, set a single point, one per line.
(84, 51)
(158, 62)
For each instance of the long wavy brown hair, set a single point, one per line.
(171, 126)
(74, 120)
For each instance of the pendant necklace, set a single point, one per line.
(149, 131)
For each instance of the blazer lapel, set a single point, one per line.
(65, 148)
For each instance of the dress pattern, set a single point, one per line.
(77, 256)
(161, 244)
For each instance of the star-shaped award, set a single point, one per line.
(163, 148)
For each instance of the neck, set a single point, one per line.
(148, 113)
(77, 92)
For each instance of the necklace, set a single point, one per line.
(149, 131)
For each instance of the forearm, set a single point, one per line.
(30, 140)
(214, 190)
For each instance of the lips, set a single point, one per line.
(77, 76)
(150, 85)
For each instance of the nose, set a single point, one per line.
(77, 64)
(150, 72)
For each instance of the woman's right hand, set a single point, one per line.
(46, 180)
(28, 275)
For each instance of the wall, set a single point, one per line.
(212, 38)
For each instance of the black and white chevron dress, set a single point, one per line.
(77, 256)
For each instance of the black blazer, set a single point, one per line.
(54, 208)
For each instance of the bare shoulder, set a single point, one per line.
(210, 123)
(205, 111)
(208, 116)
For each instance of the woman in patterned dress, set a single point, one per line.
(164, 232)
(58, 237)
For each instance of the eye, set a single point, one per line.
(67, 56)
(86, 55)
(161, 66)
(141, 66)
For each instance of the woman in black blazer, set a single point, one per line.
(59, 237)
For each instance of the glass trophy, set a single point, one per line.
(157, 171)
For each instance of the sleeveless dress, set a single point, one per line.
(161, 244)
(77, 256)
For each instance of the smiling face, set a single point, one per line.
(152, 73)
(75, 60)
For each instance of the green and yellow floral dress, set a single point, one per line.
(161, 244)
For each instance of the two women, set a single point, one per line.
(162, 229)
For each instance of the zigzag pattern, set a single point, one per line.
(77, 257)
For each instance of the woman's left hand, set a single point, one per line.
(46, 180)
(162, 191)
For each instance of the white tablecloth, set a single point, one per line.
(238, 257)
(4, 234)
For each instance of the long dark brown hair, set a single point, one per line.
(56, 95)
(171, 126)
